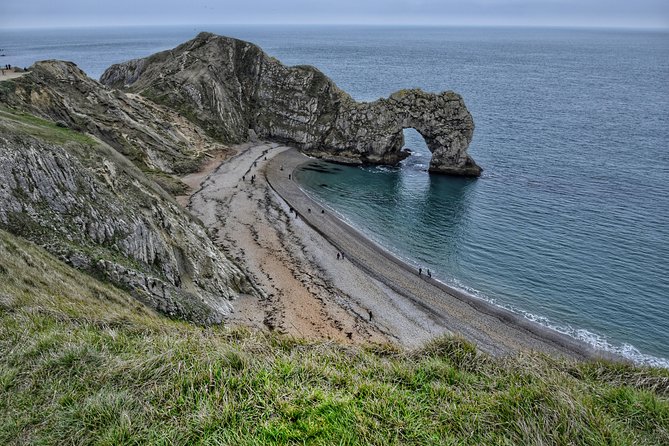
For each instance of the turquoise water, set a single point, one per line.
(569, 223)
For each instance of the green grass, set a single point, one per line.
(43, 129)
(83, 363)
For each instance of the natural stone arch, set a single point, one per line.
(229, 87)
(373, 132)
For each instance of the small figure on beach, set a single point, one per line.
(243, 177)
(289, 176)
(338, 256)
(370, 314)
(309, 210)
(322, 211)
(291, 210)
(429, 274)
(342, 255)
(420, 271)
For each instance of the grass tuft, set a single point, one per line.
(82, 362)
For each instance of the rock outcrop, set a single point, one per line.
(159, 141)
(231, 87)
(87, 204)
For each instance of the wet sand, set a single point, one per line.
(368, 297)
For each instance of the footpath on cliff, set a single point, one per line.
(289, 244)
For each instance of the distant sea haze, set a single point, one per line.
(569, 224)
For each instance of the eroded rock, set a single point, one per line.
(96, 211)
(229, 86)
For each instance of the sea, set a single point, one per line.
(569, 223)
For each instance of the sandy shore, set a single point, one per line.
(370, 297)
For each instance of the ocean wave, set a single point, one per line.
(600, 342)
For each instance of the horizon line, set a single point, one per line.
(346, 24)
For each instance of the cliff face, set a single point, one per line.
(159, 141)
(231, 87)
(90, 206)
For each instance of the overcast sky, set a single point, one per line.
(596, 13)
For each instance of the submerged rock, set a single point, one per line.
(233, 89)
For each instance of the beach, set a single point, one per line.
(288, 245)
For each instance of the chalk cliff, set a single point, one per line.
(232, 89)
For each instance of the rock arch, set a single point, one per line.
(230, 87)
(373, 132)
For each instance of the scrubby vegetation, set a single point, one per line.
(82, 362)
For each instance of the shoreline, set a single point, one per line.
(249, 207)
(504, 330)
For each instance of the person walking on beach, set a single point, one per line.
(338, 256)
(420, 271)
(429, 274)
(370, 315)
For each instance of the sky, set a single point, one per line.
(562, 13)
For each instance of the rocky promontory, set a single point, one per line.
(235, 91)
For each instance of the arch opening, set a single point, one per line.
(420, 153)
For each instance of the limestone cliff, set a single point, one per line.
(159, 141)
(231, 87)
(88, 204)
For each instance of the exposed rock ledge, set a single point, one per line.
(233, 89)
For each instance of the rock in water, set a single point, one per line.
(229, 87)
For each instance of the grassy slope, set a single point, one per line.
(82, 362)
